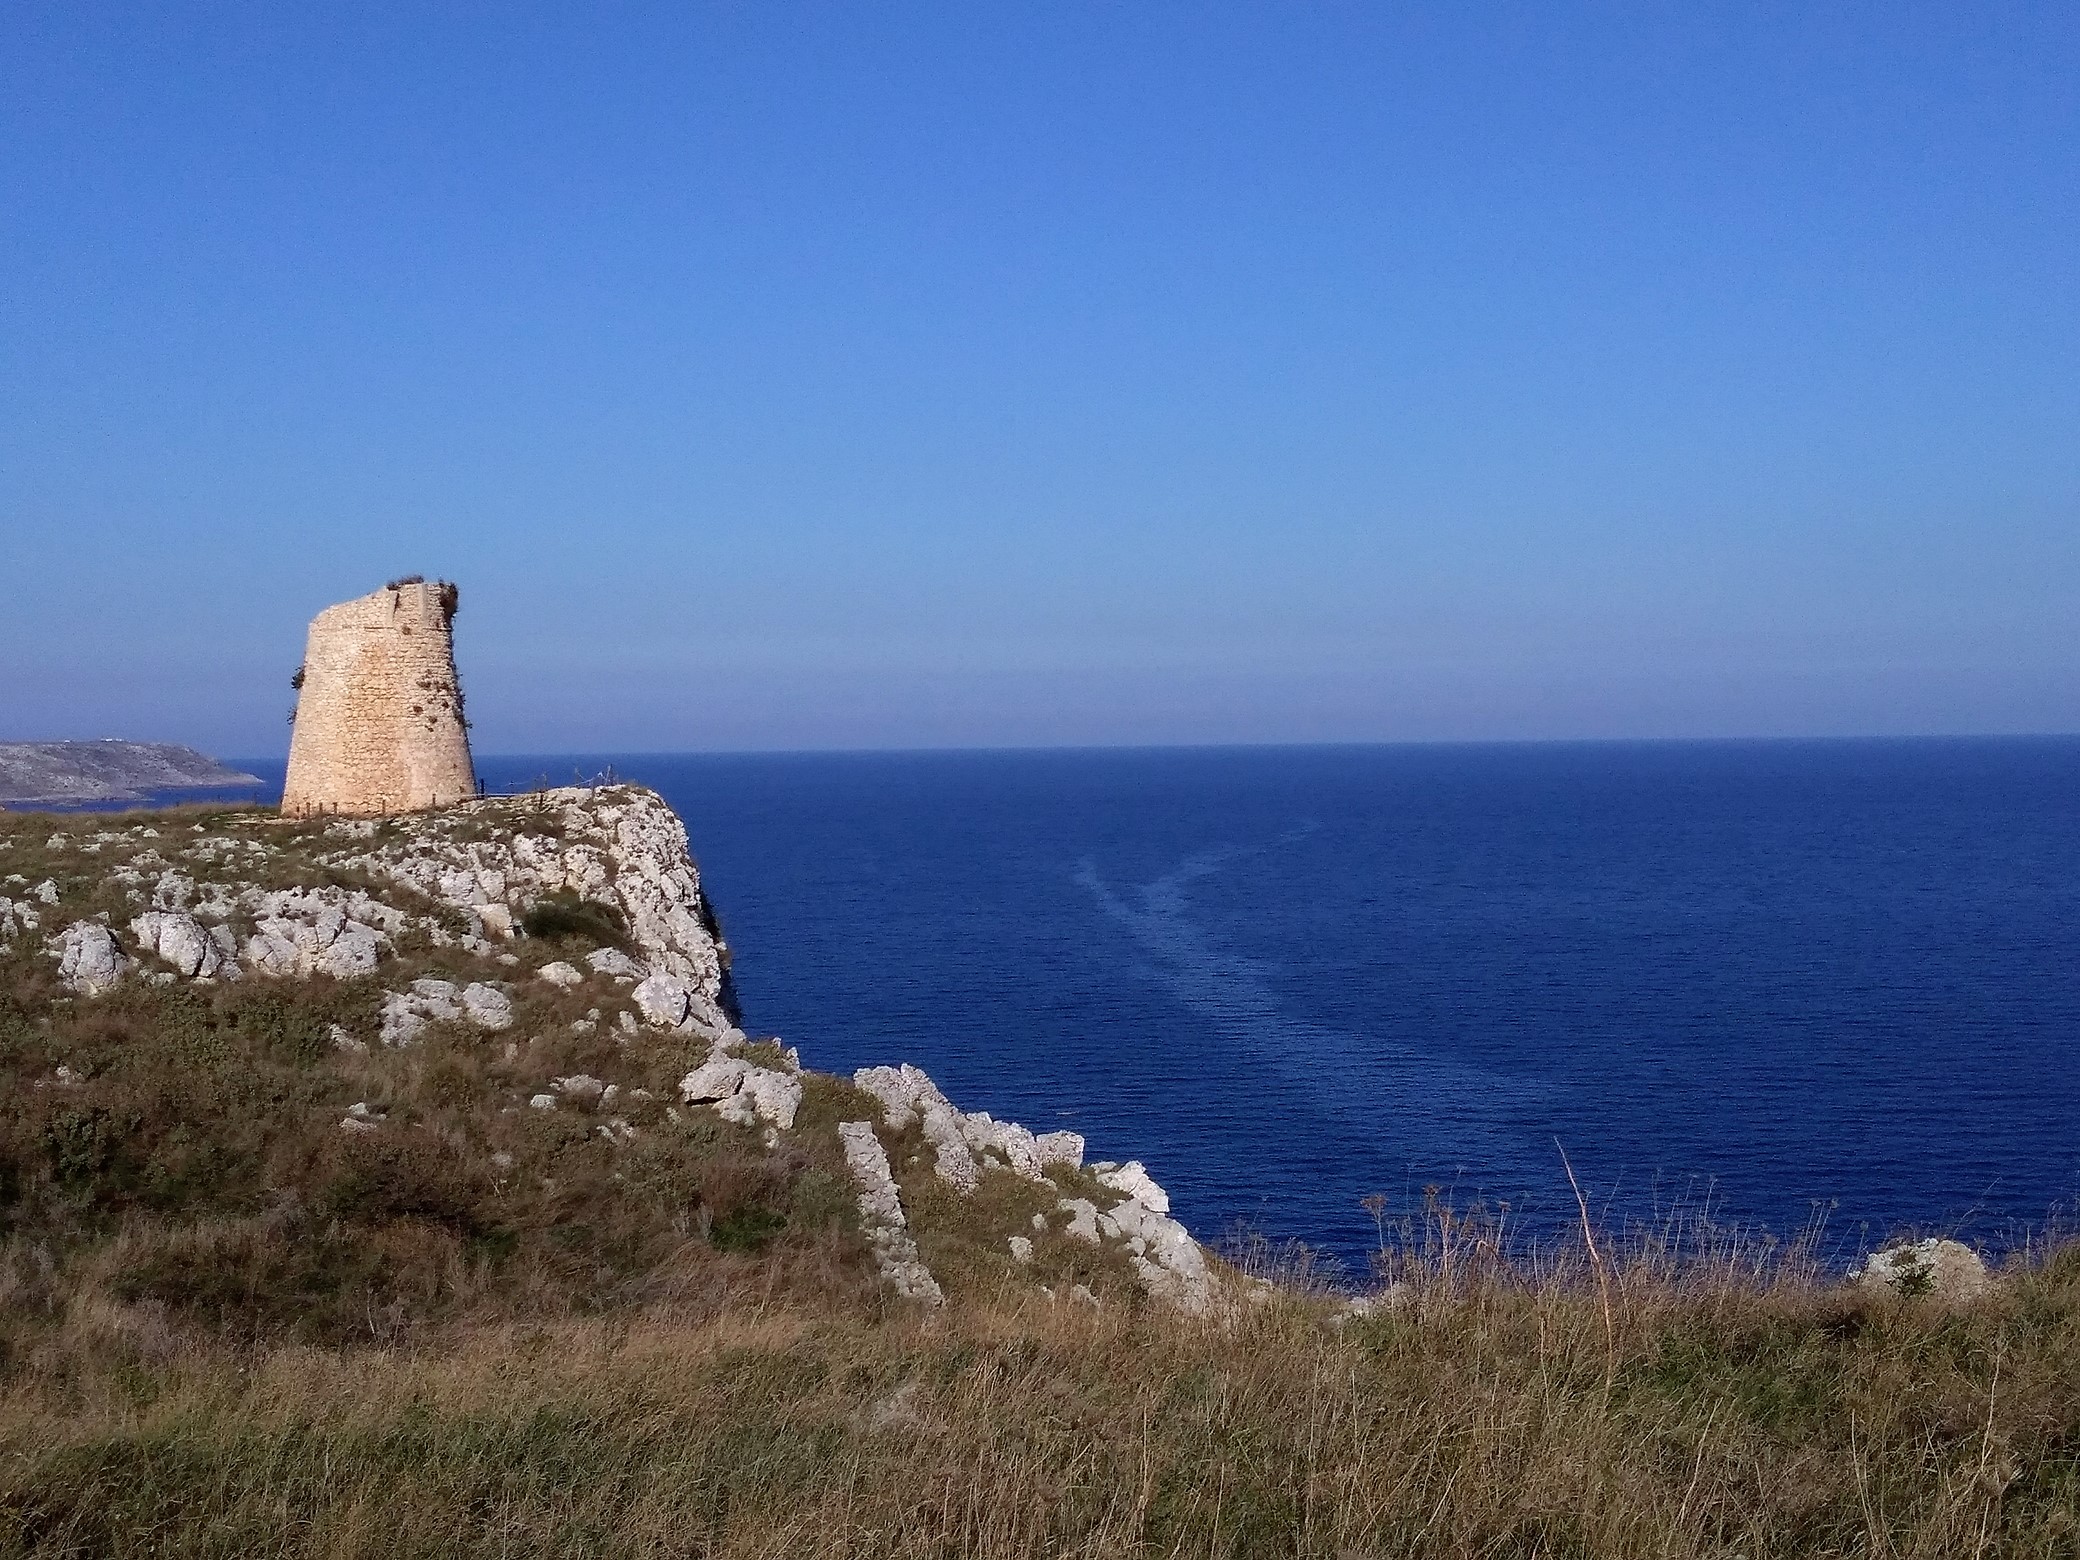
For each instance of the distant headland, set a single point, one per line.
(107, 771)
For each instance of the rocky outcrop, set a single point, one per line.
(467, 876)
(881, 1215)
(89, 959)
(194, 951)
(1168, 1262)
(964, 1143)
(620, 847)
(744, 1092)
(406, 1013)
(17, 916)
(1941, 1272)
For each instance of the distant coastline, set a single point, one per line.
(69, 773)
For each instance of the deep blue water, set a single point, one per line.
(1840, 974)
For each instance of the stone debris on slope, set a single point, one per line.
(1083, 1218)
(662, 1000)
(881, 1215)
(431, 1001)
(1168, 1262)
(1165, 1258)
(963, 1144)
(619, 846)
(362, 1117)
(742, 1092)
(615, 964)
(16, 917)
(487, 1006)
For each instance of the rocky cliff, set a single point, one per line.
(557, 950)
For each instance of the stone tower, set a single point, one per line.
(379, 725)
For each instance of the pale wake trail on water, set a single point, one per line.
(1413, 1106)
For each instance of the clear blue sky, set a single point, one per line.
(778, 375)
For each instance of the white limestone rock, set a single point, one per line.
(89, 959)
(899, 1089)
(430, 1001)
(183, 942)
(1060, 1148)
(363, 1117)
(355, 950)
(1943, 1272)
(486, 1006)
(582, 1087)
(1003, 1141)
(1083, 1218)
(715, 1079)
(881, 1215)
(775, 1096)
(907, 1095)
(613, 962)
(561, 974)
(743, 1093)
(662, 1000)
(308, 932)
(1133, 1179)
(1165, 1258)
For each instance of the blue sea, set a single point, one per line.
(1787, 979)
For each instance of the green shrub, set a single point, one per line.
(565, 917)
(748, 1228)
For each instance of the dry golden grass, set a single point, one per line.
(1491, 1416)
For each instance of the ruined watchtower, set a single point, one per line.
(379, 725)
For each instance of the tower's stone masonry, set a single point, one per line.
(379, 724)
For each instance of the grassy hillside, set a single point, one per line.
(233, 1323)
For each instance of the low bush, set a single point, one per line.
(571, 919)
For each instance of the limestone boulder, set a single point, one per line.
(89, 959)
(196, 952)
(582, 1087)
(775, 1096)
(718, 1078)
(1942, 1272)
(486, 1006)
(1083, 1218)
(1060, 1148)
(661, 999)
